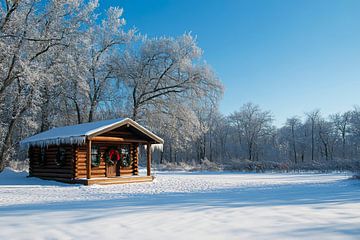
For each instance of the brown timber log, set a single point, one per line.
(148, 159)
(116, 139)
(88, 167)
(55, 175)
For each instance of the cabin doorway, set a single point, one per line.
(120, 156)
(111, 170)
(113, 167)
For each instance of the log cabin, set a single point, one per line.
(103, 152)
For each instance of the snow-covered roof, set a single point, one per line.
(76, 134)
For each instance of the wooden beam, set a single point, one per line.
(116, 139)
(88, 161)
(134, 124)
(148, 158)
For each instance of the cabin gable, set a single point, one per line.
(127, 132)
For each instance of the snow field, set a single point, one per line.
(183, 206)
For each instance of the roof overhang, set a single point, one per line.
(129, 122)
(54, 136)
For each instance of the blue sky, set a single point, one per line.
(288, 56)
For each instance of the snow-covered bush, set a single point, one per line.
(331, 165)
(19, 165)
(255, 166)
(205, 165)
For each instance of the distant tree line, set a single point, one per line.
(313, 141)
(62, 63)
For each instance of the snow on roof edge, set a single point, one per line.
(54, 141)
(42, 139)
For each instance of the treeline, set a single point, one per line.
(247, 139)
(62, 63)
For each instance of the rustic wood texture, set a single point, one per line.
(128, 133)
(116, 180)
(80, 163)
(135, 158)
(88, 160)
(104, 170)
(50, 168)
(102, 181)
(148, 159)
(116, 140)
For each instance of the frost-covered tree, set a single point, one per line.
(32, 36)
(179, 126)
(313, 118)
(342, 125)
(328, 137)
(87, 71)
(355, 131)
(291, 132)
(254, 126)
(158, 70)
(103, 41)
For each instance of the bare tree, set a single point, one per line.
(313, 118)
(342, 124)
(294, 124)
(255, 124)
(30, 42)
(164, 68)
(327, 136)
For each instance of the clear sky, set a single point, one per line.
(288, 56)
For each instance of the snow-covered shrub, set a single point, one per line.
(356, 177)
(330, 165)
(19, 165)
(205, 165)
(170, 166)
(255, 166)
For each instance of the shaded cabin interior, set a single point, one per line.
(90, 162)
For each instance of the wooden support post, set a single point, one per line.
(148, 158)
(88, 161)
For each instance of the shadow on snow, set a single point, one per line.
(338, 192)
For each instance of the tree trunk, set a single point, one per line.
(2, 166)
(78, 112)
(162, 157)
(45, 125)
(326, 152)
(294, 144)
(92, 110)
(343, 145)
(6, 144)
(134, 115)
(170, 152)
(312, 140)
(250, 145)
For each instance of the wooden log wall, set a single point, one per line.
(135, 158)
(100, 171)
(50, 169)
(80, 162)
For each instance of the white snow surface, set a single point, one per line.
(183, 205)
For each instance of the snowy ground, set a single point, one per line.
(183, 206)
